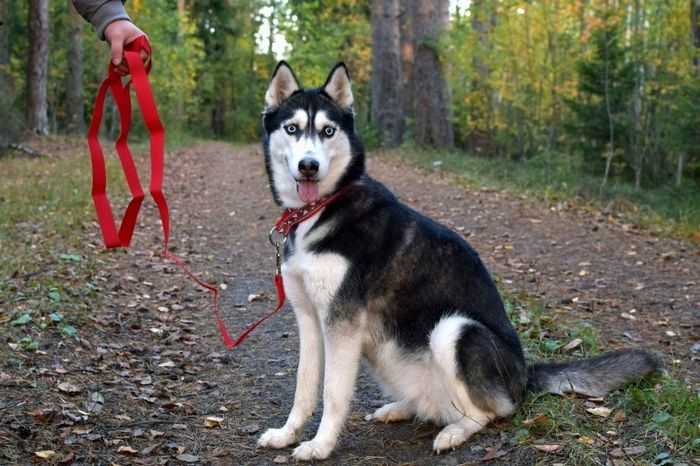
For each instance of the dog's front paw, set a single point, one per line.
(277, 438)
(450, 438)
(313, 450)
(391, 412)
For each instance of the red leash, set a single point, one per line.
(122, 98)
(284, 226)
(114, 238)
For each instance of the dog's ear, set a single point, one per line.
(338, 87)
(282, 85)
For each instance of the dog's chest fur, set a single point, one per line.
(317, 276)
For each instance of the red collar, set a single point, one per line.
(292, 217)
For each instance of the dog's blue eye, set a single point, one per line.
(291, 129)
(329, 131)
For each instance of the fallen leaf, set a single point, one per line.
(601, 411)
(187, 458)
(538, 420)
(627, 316)
(167, 363)
(45, 454)
(67, 387)
(619, 416)
(22, 320)
(551, 448)
(254, 297)
(40, 415)
(633, 451)
(126, 450)
(573, 344)
(95, 402)
(213, 421)
(280, 459)
(147, 380)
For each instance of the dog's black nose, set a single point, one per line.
(308, 167)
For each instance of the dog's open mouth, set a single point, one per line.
(307, 190)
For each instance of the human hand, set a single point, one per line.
(120, 33)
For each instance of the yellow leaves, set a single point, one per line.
(213, 421)
(601, 411)
(549, 448)
(45, 454)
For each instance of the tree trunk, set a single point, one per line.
(695, 32)
(9, 128)
(638, 97)
(75, 110)
(680, 162)
(5, 78)
(407, 57)
(37, 67)
(387, 114)
(433, 115)
(608, 110)
(483, 20)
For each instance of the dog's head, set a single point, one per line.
(311, 146)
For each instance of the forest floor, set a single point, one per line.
(137, 373)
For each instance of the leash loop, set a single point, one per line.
(122, 98)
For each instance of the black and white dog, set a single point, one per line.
(369, 277)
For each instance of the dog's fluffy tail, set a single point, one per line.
(592, 377)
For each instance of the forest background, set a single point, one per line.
(597, 99)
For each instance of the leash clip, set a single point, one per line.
(278, 254)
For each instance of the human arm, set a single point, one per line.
(100, 13)
(113, 25)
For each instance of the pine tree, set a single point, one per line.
(606, 83)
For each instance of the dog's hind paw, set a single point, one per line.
(277, 438)
(391, 412)
(450, 438)
(312, 450)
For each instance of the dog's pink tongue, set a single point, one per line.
(308, 191)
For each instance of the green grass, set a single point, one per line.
(45, 275)
(556, 177)
(660, 413)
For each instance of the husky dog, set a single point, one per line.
(369, 277)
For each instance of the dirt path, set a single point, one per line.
(157, 360)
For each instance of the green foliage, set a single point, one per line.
(528, 78)
(605, 89)
(322, 34)
(177, 59)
